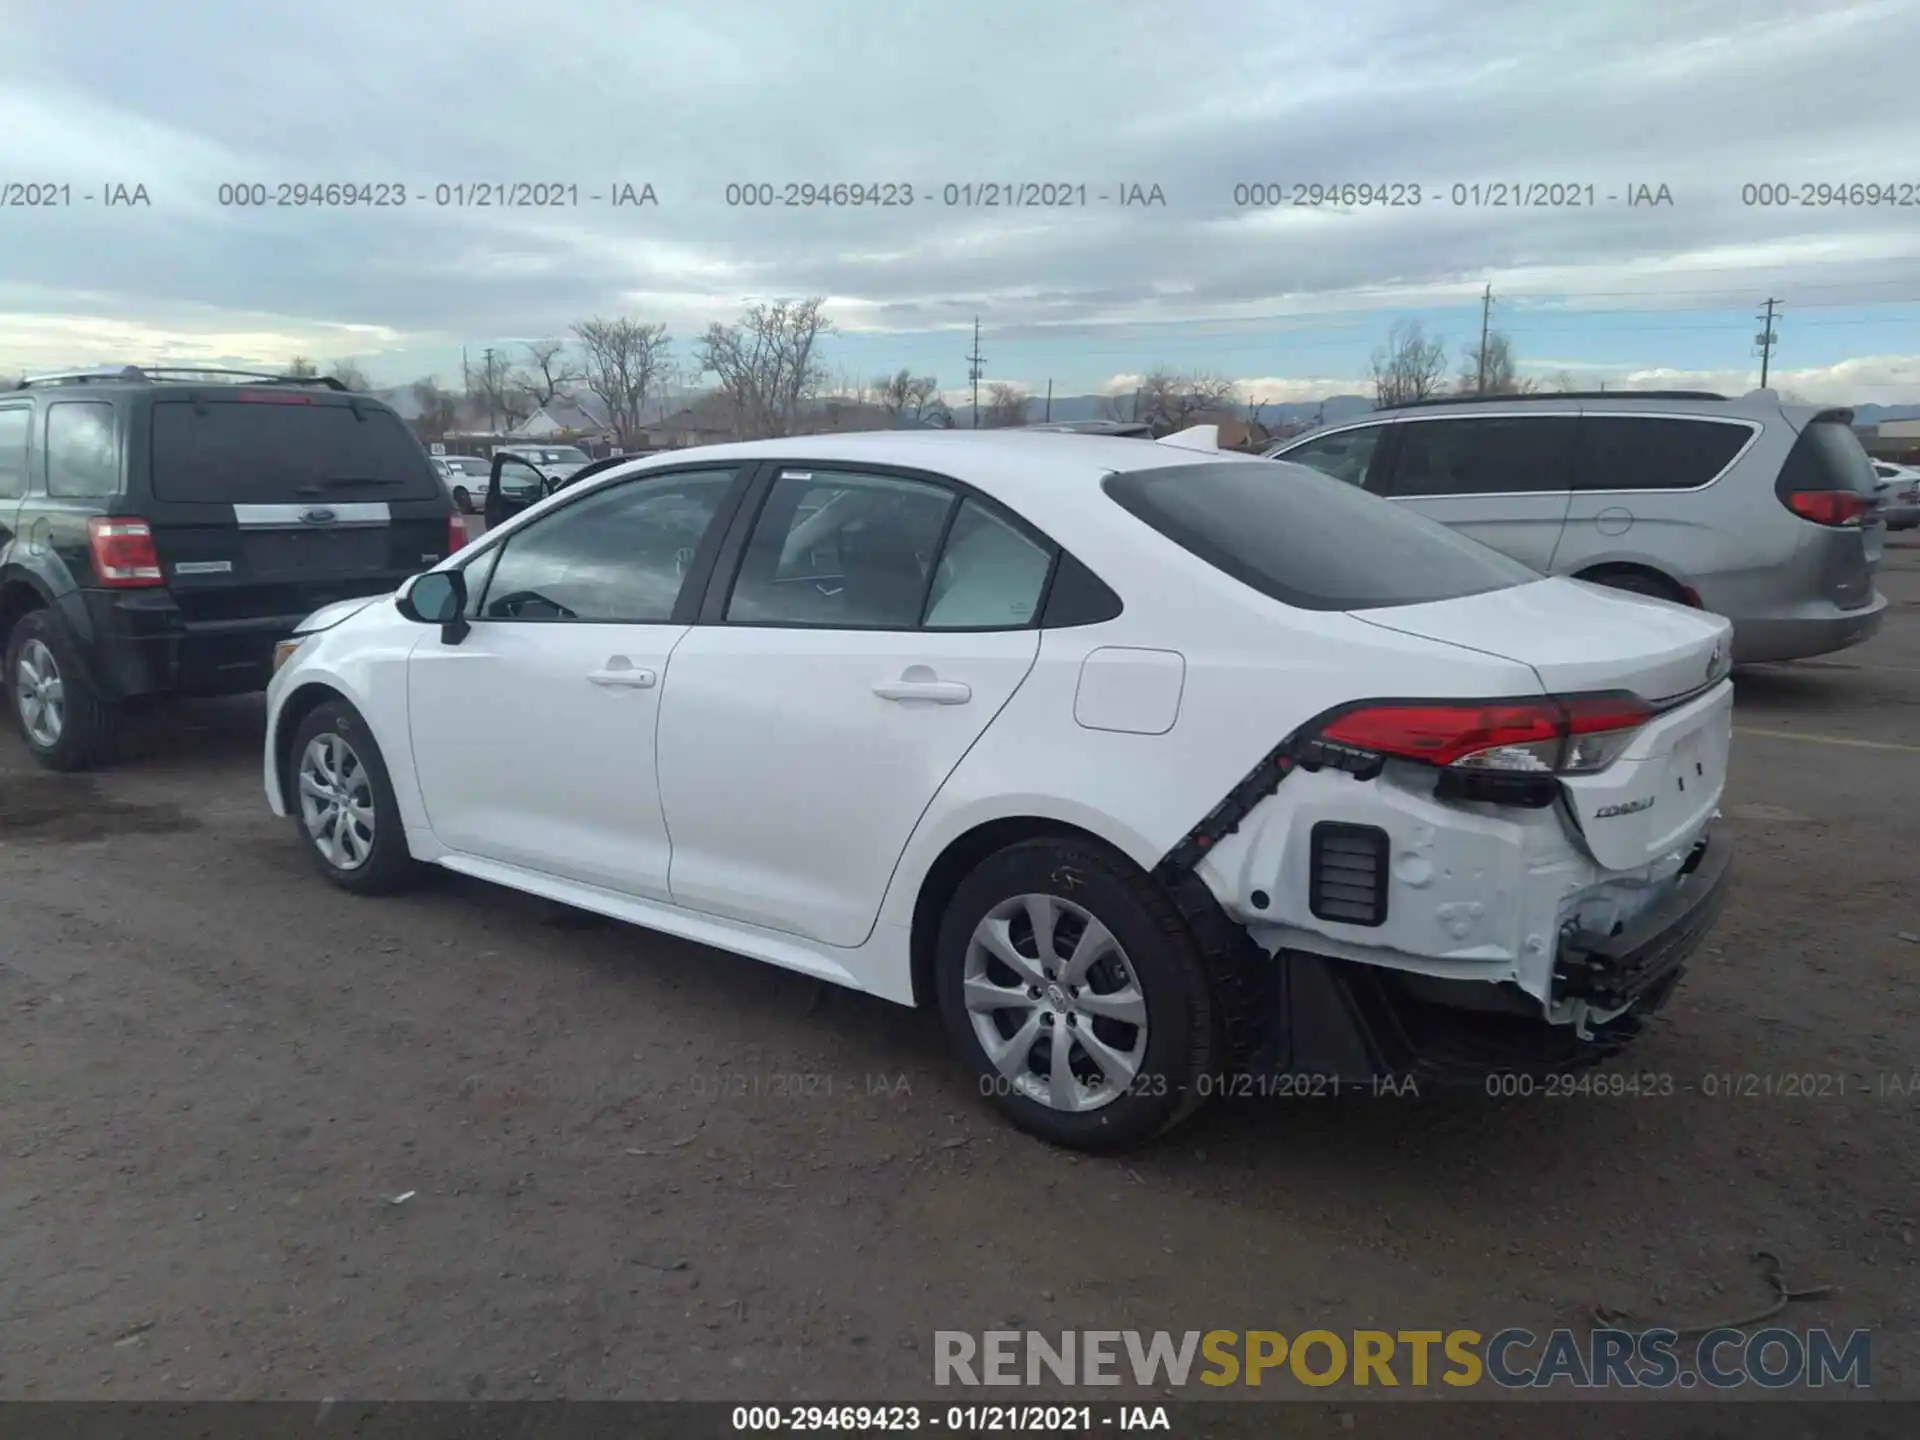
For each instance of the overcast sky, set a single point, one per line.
(1194, 97)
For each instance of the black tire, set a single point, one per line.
(463, 499)
(88, 724)
(1181, 1041)
(386, 865)
(1638, 582)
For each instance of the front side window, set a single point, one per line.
(842, 551)
(620, 555)
(1345, 454)
(1308, 540)
(1484, 455)
(82, 459)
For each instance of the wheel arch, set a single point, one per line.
(958, 859)
(302, 702)
(1598, 572)
(19, 593)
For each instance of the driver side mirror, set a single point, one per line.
(438, 597)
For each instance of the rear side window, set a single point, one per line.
(14, 424)
(1827, 456)
(1644, 452)
(1309, 540)
(1345, 454)
(82, 460)
(1484, 455)
(239, 452)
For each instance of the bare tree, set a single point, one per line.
(548, 371)
(302, 367)
(767, 363)
(494, 389)
(349, 375)
(1006, 405)
(906, 396)
(1410, 367)
(1498, 376)
(625, 362)
(1169, 400)
(1561, 382)
(438, 409)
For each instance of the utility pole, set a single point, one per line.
(1766, 339)
(1049, 415)
(487, 355)
(973, 371)
(1486, 316)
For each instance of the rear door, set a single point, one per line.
(1632, 475)
(267, 504)
(1504, 480)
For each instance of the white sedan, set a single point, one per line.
(1160, 772)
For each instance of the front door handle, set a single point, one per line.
(622, 673)
(918, 682)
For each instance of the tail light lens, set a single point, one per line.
(456, 532)
(1556, 735)
(1829, 507)
(123, 553)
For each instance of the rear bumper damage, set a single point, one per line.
(1356, 1023)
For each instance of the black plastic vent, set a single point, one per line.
(1347, 873)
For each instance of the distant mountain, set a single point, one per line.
(1097, 407)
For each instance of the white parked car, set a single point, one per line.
(1152, 769)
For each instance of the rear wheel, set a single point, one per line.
(1074, 991)
(63, 719)
(343, 804)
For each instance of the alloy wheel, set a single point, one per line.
(1055, 1003)
(41, 693)
(336, 801)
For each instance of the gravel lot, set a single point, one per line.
(641, 1169)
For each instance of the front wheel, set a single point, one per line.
(1075, 993)
(463, 499)
(343, 804)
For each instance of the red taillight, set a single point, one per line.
(1829, 507)
(123, 553)
(1556, 734)
(275, 397)
(456, 532)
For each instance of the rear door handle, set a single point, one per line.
(918, 682)
(622, 673)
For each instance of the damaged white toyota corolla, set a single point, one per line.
(1152, 768)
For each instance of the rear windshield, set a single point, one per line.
(235, 452)
(1308, 540)
(1827, 456)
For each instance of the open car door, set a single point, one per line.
(515, 484)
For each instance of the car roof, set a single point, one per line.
(1046, 477)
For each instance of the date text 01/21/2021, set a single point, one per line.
(963, 195)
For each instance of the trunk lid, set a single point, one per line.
(1580, 638)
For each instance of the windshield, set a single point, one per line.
(1308, 540)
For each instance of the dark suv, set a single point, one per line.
(160, 530)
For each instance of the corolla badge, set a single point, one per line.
(1625, 807)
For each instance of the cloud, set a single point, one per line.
(694, 96)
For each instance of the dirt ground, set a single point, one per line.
(635, 1168)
